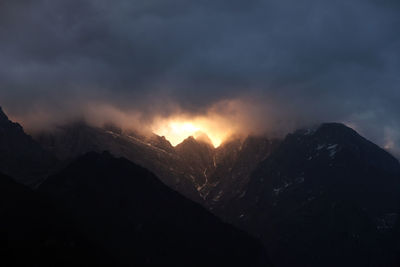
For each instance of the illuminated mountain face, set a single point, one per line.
(210, 130)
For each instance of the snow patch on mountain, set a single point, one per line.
(332, 150)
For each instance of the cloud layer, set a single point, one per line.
(292, 62)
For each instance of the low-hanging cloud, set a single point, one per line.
(292, 62)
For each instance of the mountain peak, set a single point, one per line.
(195, 142)
(188, 140)
(337, 137)
(3, 116)
(335, 126)
(203, 137)
(329, 130)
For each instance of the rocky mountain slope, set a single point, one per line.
(154, 153)
(193, 168)
(324, 197)
(236, 160)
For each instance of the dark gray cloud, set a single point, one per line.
(308, 61)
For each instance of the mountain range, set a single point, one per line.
(99, 209)
(322, 196)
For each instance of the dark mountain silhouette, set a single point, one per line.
(33, 232)
(324, 197)
(320, 197)
(139, 220)
(20, 156)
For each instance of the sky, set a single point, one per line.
(267, 65)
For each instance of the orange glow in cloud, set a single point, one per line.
(178, 128)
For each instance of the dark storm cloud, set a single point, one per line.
(308, 61)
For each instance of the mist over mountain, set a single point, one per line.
(193, 167)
